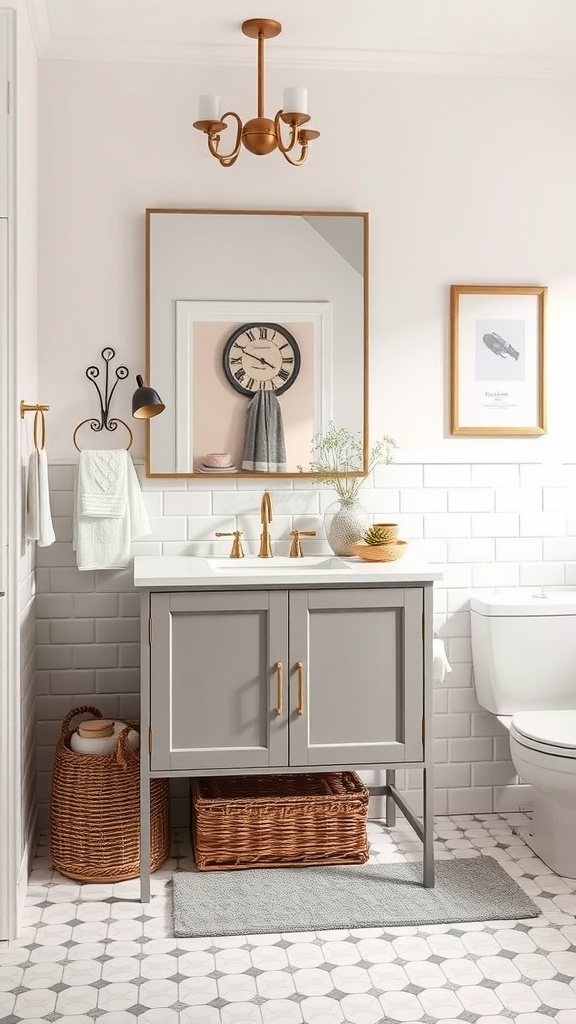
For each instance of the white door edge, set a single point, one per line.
(12, 890)
(10, 692)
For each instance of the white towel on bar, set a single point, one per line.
(32, 504)
(38, 524)
(109, 511)
(103, 483)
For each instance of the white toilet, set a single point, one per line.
(524, 657)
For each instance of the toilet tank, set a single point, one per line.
(524, 650)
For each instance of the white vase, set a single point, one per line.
(345, 522)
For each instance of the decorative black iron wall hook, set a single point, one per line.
(105, 396)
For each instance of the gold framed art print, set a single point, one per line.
(497, 376)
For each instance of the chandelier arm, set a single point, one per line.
(300, 159)
(226, 159)
(293, 135)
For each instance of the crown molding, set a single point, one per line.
(321, 58)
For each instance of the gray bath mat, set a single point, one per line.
(264, 900)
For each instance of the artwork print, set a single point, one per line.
(500, 350)
(497, 360)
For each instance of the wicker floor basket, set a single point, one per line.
(279, 820)
(95, 811)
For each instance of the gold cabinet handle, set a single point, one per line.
(279, 687)
(300, 667)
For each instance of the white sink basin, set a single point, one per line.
(252, 565)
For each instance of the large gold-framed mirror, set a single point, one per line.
(235, 299)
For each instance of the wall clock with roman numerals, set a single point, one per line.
(261, 357)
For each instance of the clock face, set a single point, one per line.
(261, 357)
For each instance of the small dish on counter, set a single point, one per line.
(381, 552)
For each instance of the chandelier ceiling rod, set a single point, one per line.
(260, 135)
(260, 74)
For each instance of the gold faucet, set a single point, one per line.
(265, 519)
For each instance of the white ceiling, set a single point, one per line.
(499, 36)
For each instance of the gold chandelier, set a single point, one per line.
(260, 135)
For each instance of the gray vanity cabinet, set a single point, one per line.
(286, 678)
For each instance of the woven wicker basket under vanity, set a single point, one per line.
(95, 811)
(279, 820)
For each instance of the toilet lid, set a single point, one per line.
(549, 728)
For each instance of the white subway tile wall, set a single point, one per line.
(502, 525)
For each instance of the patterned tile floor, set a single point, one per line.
(92, 952)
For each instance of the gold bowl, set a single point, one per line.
(381, 552)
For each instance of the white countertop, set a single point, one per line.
(193, 571)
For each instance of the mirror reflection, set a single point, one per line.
(256, 336)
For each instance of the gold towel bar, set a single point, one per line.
(24, 408)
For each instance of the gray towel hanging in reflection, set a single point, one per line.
(264, 446)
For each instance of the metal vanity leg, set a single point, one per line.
(390, 802)
(144, 836)
(145, 621)
(428, 827)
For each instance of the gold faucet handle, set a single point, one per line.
(296, 547)
(237, 549)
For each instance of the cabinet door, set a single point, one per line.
(361, 655)
(214, 684)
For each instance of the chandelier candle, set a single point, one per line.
(295, 98)
(209, 108)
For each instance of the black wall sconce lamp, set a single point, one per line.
(146, 402)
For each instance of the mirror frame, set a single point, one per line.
(247, 474)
